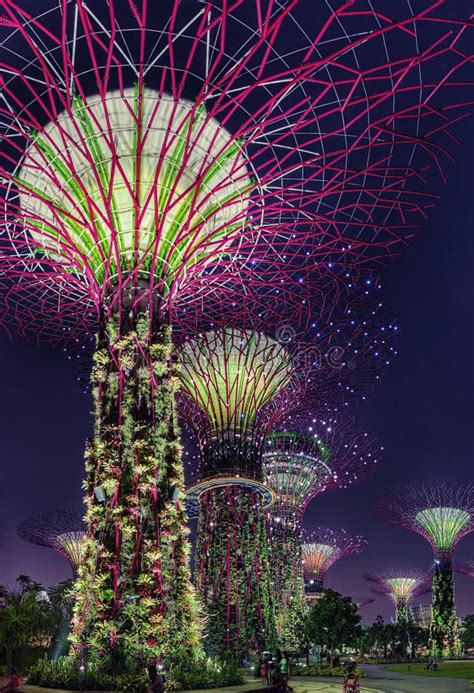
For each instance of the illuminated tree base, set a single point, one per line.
(233, 574)
(444, 630)
(403, 614)
(287, 578)
(134, 597)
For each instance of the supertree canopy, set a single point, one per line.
(154, 159)
(63, 531)
(231, 374)
(443, 513)
(466, 568)
(327, 453)
(401, 586)
(321, 549)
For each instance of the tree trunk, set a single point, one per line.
(233, 577)
(444, 631)
(134, 596)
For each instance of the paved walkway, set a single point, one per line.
(300, 685)
(378, 680)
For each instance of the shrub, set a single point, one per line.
(204, 673)
(323, 670)
(63, 673)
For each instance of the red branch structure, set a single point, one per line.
(466, 568)
(318, 137)
(322, 547)
(401, 587)
(63, 531)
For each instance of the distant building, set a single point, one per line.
(421, 614)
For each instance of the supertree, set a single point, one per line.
(228, 375)
(466, 568)
(63, 531)
(321, 549)
(237, 385)
(150, 159)
(443, 514)
(401, 587)
(299, 466)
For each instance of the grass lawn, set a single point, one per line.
(453, 670)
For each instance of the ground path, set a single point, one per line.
(378, 679)
(302, 685)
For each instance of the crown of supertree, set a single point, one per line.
(466, 568)
(363, 601)
(168, 151)
(443, 513)
(62, 531)
(401, 586)
(322, 547)
(299, 466)
(239, 383)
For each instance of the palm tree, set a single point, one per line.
(25, 619)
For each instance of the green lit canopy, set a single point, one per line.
(402, 588)
(296, 467)
(132, 181)
(230, 374)
(443, 525)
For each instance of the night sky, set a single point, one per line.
(422, 413)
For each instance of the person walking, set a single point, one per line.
(284, 670)
(264, 671)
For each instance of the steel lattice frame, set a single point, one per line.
(238, 383)
(317, 118)
(228, 376)
(329, 453)
(466, 568)
(401, 587)
(322, 547)
(63, 531)
(443, 513)
(153, 159)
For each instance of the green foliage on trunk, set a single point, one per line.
(403, 613)
(233, 576)
(288, 584)
(134, 597)
(444, 630)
